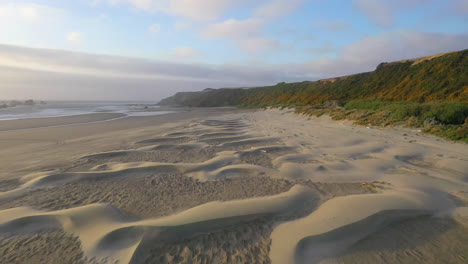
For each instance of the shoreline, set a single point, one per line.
(26, 149)
(56, 121)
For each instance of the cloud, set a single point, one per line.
(278, 8)
(383, 12)
(258, 45)
(185, 52)
(181, 25)
(366, 54)
(234, 28)
(58, 74)
(379, 12)
(202, 10)
(31, 23)
(75, 37)
(334, 26)
(400, 45)
(246, 34)
(326, 47)
(29, 12)
(460, 7)
(24, 84)
(154, 28)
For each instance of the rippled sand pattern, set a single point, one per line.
(263, 187)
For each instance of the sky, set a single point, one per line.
(150, 49)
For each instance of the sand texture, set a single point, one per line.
(231, 186)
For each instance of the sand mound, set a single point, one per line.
(243, 188)
(104, 231)
(322, 234)
(423, 239)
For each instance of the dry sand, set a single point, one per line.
(230, 186)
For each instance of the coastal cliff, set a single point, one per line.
(432, 78)
(429, 93)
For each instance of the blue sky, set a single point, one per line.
(210, 43)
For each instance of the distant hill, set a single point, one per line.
(431, 78)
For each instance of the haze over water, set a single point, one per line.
(71, 108)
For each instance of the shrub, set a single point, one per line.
(404, 110)
(451, 132)
(448, 112)
(366, 104)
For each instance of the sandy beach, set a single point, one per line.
(227, 185)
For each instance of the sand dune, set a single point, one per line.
(323, 234)
(247, 187)
(104, 232)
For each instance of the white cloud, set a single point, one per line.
(72, 75)
(55, 62)
(202, 10)
(400, 45)
(154, 28)
(366, 54)
(184, 52)
(246, 34)
(57, 74)
(278, 8)
(234, 28)
(22, 23)
(75, 36)
(258, 45)
(29, 12)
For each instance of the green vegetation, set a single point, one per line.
(447, 113)
(206, 98)
(432, 93)
(459, 133)
(444, 119)
(366, 104)
(442, 78)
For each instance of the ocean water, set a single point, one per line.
(70, 108)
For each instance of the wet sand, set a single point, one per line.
(23, 124)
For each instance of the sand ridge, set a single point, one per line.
(104, 232)
(321, 187)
